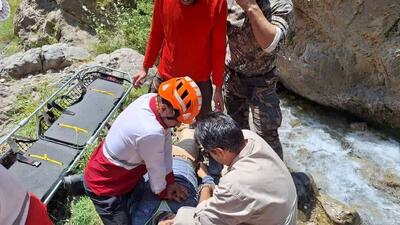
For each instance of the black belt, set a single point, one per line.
(264, 79)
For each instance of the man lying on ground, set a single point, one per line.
(150, 209)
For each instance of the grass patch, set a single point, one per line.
(12, 47)
(135, 93)
(131, 28)
(7, 27)
(27, 102)
(8, 41)
(103, 3)
(83, 212)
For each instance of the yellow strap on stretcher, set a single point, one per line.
(103, 91)
(46, 158)
(75, 128)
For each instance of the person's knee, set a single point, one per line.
(239, 112)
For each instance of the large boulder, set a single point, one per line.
(39, 22)
(124, 59)
(77, 8)
(346, 54)
(21, 64)
(39, 60)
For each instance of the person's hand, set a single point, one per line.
(218, 99)
(177, 192)
(246, 4)
(202, 171)
(137, 78)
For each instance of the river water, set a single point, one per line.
(357, 166)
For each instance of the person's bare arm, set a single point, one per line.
(154, 44)
(205, 193)
(268, 33)
(207, 186)
(263, 30)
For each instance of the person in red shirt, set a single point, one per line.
(191, 35)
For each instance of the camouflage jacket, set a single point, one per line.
(244, 55)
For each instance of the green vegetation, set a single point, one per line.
(27, 102)
(103, 3)
(8, 41)
(136, 94)
(83, 212)
(131, 28)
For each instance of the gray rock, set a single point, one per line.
(40, 22)
(338, 212)
(295, 122)
(75, 53)
(62, 55)
(53, 57)
(22, 63)
(78, 8)
(124, 59)
(360, 126)
(345, 54)
(38, 60)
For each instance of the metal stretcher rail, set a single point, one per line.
(20, 143)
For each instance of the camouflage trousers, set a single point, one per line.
(259, 94)
(205, 89)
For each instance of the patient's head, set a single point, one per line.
(166, 222)
(164, 218)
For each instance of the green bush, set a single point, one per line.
(8, 41)
(130, 29)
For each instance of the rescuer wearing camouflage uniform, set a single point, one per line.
(255, 30)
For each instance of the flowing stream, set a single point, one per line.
(358, 166)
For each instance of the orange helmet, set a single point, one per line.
(184, 96)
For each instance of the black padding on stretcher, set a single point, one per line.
(41, 180)
(89, 114)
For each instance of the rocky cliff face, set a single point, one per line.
(346, 54)
(39, 22)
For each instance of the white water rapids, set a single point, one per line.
(347, 164)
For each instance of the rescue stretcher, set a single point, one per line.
(66, 124)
